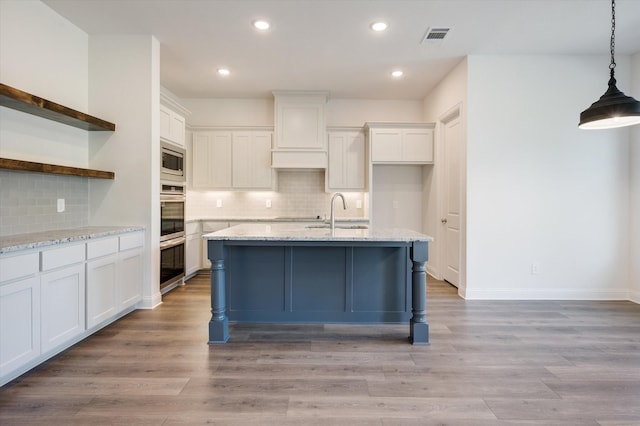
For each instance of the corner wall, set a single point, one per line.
(448, 95)
(539, 190)
(125, 89)
(634, 158)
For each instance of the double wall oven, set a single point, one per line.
(172, 229)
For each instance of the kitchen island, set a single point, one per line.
(309, 273)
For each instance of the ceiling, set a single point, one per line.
(328, 45)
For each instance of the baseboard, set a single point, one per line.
(527, 294)
(634, 296)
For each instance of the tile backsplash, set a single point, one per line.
(28, 202)
(301, 193)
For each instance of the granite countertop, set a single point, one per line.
(276, 219)
(298, 232)
(12, 243)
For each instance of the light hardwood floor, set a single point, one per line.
(551, 363)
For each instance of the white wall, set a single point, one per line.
(43, 54)
(539, 190)
(125, 89)
(356, 112)
(448, 95)
(634, 282)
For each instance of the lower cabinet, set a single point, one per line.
(101, 289)
(54, 297)
(19, 323)
(62, 306)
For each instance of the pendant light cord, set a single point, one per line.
(613, 36)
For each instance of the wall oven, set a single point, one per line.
(172, 161)
(172, 236)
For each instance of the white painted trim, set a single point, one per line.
(229, 128)
(509, 294)
(634, 296)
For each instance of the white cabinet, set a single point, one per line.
(193, 248)
(19, 322)
(130, 270)
(232, 160)
(211, 160)
(300, 129)
(172, 126)
(51, 298)
(401, 143)
(62, 305)
(251, 168)
(346, 171)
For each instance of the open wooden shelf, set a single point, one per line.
(11, 97)
(29, 166)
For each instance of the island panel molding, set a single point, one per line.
(30, 166)
(17, 99)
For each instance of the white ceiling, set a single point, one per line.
(327, 44)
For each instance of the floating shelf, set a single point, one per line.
(29, 166)
(11, 97)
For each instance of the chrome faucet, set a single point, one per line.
(333, 215)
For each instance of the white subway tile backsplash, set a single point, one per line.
(28, 202)
(300, 194)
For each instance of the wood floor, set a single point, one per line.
(489, 364)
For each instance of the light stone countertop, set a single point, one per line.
(13, 243)
(299, 232)
(282, 219)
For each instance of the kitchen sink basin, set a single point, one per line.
(327, 226)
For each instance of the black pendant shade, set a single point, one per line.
(613, 109)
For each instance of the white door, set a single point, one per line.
(452, 140)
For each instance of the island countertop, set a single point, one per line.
(301, 232)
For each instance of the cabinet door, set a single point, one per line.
(346, 161)
(337, 160)
(19, 323)
(252, 160)
(418, 145)
(101, 289)
(165, 122)
(386, 145)
(177, 129)
(193, 248)
(62, 305)
(129, 283)
(211, 160)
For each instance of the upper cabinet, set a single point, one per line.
(346, 171)
(232, 159)
(172, 121)
(401, 143)
(300, 135)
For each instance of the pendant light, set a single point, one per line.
(614, 108)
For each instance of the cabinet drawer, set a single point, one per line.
(102, 247)
(63, 256)
(131, 241)
(12, 267)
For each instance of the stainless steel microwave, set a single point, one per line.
(172, 162)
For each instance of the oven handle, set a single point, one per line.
(171, 243)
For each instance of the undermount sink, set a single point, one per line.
(327, 226)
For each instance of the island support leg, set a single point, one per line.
(419, 329)
(219, 323)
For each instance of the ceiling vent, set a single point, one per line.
(435, 35)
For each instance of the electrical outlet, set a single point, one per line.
(267, 204)
(218, 203)
(60, 206)
(535, 268)
(358, 204)
(395, 204)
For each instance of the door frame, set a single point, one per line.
(454, 112)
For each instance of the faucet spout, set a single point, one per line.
(333, 215)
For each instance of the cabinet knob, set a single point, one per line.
(443, 220)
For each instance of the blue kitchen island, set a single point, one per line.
(297, 273)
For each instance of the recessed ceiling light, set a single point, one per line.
(379, 26)
(397, 73)
(261, 24)
(223, 71)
